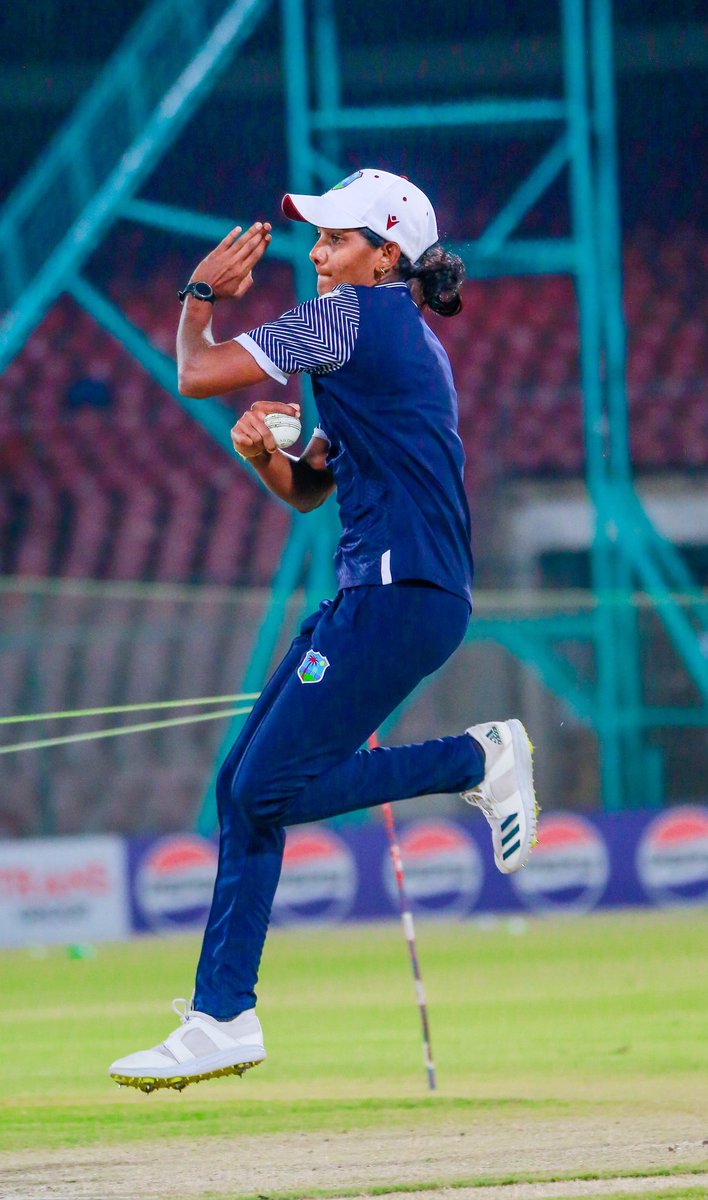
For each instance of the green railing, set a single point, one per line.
(169, 659)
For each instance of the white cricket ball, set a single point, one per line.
(285, 429)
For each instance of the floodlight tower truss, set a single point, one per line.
(87, 180)
(633, 566)
(632, 563)
(66, 204)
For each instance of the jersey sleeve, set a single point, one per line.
(315, 337)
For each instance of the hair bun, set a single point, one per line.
(441, 275)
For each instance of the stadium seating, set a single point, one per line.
(104, 476)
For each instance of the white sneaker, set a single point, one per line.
(506, 795)
(201, 1048)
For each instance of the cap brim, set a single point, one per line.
(322, 211)
(289, 208)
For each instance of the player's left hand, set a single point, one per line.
(228, 267)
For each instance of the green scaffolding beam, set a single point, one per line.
(627, 552)
(626, 548)
(106, 150)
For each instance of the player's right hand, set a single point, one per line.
(251, 436)
(228, 267)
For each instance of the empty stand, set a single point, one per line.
(104, 476)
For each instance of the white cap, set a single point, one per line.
(388, 204)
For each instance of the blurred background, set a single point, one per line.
(140, 562)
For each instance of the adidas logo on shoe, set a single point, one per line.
(510, 835)
(506, 794)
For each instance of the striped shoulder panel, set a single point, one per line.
(318, 336)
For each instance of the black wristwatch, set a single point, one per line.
(201, 291)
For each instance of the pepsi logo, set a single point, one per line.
(443, 869)
(319, 877)
(672, 857)
(568, 870)
(175, 880)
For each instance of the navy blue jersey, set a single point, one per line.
(388, 408)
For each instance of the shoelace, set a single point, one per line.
(477, 797)
(182, 1008)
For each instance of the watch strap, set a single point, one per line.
(200, 291)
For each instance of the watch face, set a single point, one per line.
(203, 290)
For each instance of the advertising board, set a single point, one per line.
(66, 890)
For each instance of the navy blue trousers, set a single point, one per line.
(298, 758)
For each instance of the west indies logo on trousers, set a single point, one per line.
(319, 877)
(175, 879)
(568, 870)
(443, 868)
(672, 858)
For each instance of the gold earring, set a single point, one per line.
(380, 273)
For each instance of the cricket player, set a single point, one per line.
(386, 445)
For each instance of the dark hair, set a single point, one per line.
(437, 273)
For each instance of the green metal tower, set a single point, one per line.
(634, 568)
(628, 554)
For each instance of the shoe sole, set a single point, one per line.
(523, 755)
(152, 1083)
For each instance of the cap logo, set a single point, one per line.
(391, 221)
(345, 182)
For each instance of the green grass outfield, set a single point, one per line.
(530, 1021)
